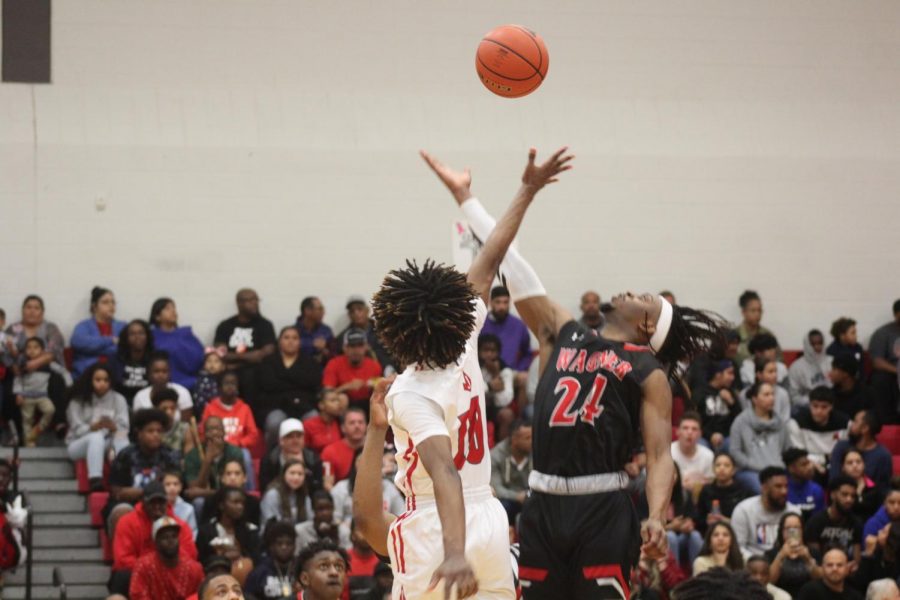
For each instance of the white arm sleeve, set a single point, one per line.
(521, 278)
(417, 415)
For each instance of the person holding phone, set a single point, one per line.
(792, 562)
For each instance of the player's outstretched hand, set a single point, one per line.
(377, 408)
(456, 573)
(655, 544)
(537, 176)
(458, 182)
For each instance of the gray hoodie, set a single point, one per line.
(809, 371)
(81, 415)
(756, 444)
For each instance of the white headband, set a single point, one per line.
(663, 324)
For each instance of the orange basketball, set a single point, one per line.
(512, 61)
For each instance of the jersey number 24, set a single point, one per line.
(565, 414)
(470, 447)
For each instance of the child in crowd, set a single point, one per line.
(323, 525)
(275, 577)
(33, 389)
(160, 379)
(178, 437)
(287, 498)
(325, 428)
(240, 426)
(171, 480)
(498, 379)
(207, 386)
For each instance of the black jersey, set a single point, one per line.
(587, 405)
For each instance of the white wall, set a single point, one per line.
(721, 145)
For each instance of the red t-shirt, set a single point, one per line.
(339, 371)
(340, 455)
(319, 434)
(105, 329)
(361, 565)
(152, 580)
(240, 427)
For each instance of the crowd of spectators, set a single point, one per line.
(236, 461)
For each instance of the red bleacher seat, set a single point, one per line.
(68, 356)
(81, 476)
(96, 502)
(896, 465)
(890, 438)
(106, 546)
(789, 356)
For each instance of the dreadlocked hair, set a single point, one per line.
(722, 584)
(424, 314)
(692, 332)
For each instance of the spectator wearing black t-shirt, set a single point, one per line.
(845, 342)
(851, 394)
(131, 364)
(718, 499)
(836, 526)
(833, 585)
(247, 338)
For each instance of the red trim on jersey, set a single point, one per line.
(394, 544)
(634, 348)
(532, 573)
(412, 459)
(598, 571)
(402, 558)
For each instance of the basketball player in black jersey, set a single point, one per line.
(601, 394)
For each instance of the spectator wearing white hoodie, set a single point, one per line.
(810, 370)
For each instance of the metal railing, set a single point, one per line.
(60, 582)
(29, 544)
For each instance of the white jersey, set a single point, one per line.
(426, 402)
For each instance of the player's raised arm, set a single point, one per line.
(368, 497)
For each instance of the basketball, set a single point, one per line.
(512, 61)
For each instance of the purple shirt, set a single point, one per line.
(307, 337)
(515, 342)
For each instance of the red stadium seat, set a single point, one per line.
(256, 463)
(890, 438)
(96, 502)
(106, 546)
(81, 476)
(789, 356)
(68, 356)
(897, 465)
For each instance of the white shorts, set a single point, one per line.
(416, 548)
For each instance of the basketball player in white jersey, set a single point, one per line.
(453, 531)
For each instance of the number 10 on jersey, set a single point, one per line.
(565, 415)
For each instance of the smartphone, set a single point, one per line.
(793, 533)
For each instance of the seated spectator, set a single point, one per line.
(695, 462)
(883, 589)
(803, 492)
(363, 562)
(172, 482)
(184, 349)
(888, 513)
(718, 499)
(207, 386)
(229, 533)
(868, 496)
(287, 498)
(244, 340)
(882, 350)
(342, 494)
(755, 520)
(758, 437)
(882, 554)
(322, 570)
(325, 427)
(358, 314)
(131, 364)
(765, 372)
(134, 538)
(202, 464)
(95, 339)
(700, 369)
(717, 402)
(833, 585)
(818, 427)
(591, 317)
(515, 341)
(656, 578)
(681, 529)
(98, 421)
(751, 313)
(240, 426)
(159, 380)
(764, 347)
(323, 524)
(836, 526)
(851, 393)
(291, 445)
(33, 390)
(758, 568)
(792, 563)
(499, 384)
(33, 324)
(810, 370)
(353, 372)
(138, 464)
(165, 574)
(511, 464)
(276, 574)
(233, 473)
(339, 455)
(289, 383)
(316, 338)
(863, 429)
(178, 436)
(720, 549)
(845, 343)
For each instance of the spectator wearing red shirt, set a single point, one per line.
(133, 536)
(165, 574)
(363, 560)
(325, 428)
(240, 427)
(340, 454)
(354, 371)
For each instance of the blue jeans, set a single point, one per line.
(685, 546)
(749, 479)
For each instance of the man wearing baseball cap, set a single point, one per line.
(291, 444)
(353, 371)
(358, 313)
(165, 574)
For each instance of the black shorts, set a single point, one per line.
(578, 547)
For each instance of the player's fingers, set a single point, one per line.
(435, 579)
(559, 153)
(532, 153)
